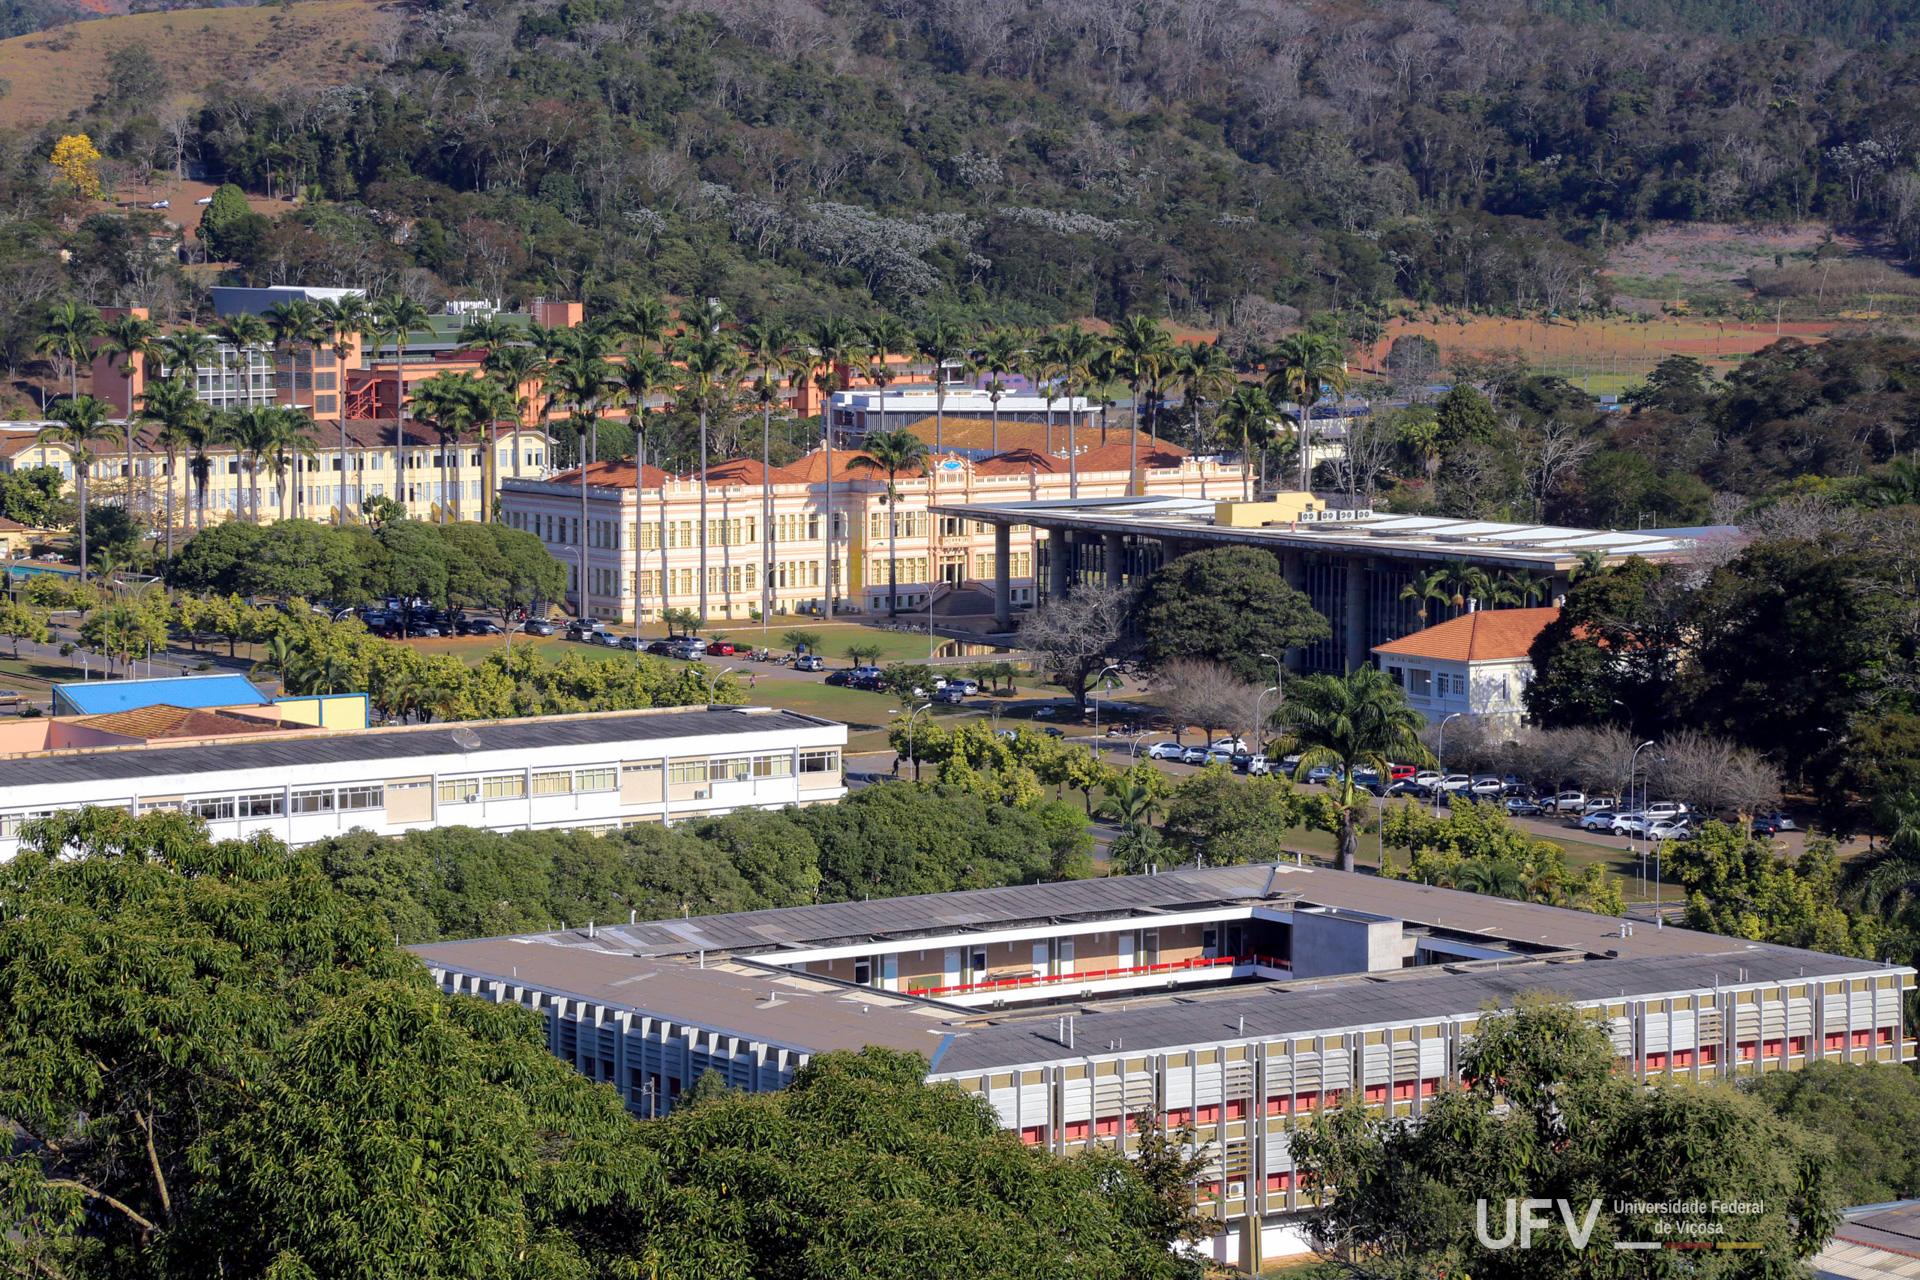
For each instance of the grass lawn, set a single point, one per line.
(29, 669)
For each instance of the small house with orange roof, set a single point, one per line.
(1476, 664)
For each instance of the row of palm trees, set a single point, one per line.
(698, 360)
(1457, 582)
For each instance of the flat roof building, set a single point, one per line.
(595, 772)
(1238, 999)
(1353, 564)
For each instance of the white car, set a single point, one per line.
(1166, 751)
(204, 200)
(1257, 766)
(1596, 804)
(1427, 779)
(1455, 782)
(1676, 830)
(1568, 802)
(1599, 820)
(1666, 809)
(1229, 745)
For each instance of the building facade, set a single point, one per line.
(1241, 1000)
(1477, 664)
(774, 539)
(595, 772)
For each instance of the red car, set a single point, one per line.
(720, 649)
(1402, 773)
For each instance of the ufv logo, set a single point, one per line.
(1529, 1222)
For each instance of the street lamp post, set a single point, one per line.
(913, 744)
(1440, 762)
(1259, 719)
(1279, 681)
(1633, 840)
(713, 678)
(1096, 706)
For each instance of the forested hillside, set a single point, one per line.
(1208, 159)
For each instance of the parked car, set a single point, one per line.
(537, 627)
(477, 627)
(1630, 824)
(632, 642)
(840, 678)
(1779, 821)
(1322, 773)
(1569, 802)
(204, 200)
(1666, 809)
(1597, 804)
(1598, 820)
(424, 631)
(1194, 755)
(1052, 732)
(1670, 830)
(1231, 744)
(1522, 806)
(1769, 826)
(1426, 779)
(583, 630)
(1407, 788)
(1257, 766)
(1486, 784)
(720, 649)
(809, 662)
(951, 696)
(1166, 751)
(1454, 782)
(968, 687)
(1402, 773)
(1220, 755)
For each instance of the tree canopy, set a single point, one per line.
(1227, 605)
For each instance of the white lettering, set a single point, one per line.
(1531, 1221)
(1584, 1233)
(1480, 1227)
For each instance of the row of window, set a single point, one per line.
(276, 804)
(513, 786)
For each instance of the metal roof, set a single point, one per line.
(1293, 1009)
(938, 913)
(413, 742)
(792, 1011)
(1417, 537)
(98, 697)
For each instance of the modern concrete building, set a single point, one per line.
(1237, 999)
(1353, 564)
(596, 772)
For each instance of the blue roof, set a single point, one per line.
(99, 697)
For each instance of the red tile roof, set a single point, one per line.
(1485, 635)
(165, 721)
(614, 475)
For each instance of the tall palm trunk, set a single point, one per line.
(939, 405)
(399, 422)
(766, 518)
(893, 550)
(1073, 466)
(340, 503)
(81, 470)
(580, 452)
(703, 512)
(172, 465)
(1133, 441)
(126, 501)
(996, 423)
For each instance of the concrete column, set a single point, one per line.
(1116, 552)
(1002, 577)
(1293, 567)
(1059, 549)
(1356, 655)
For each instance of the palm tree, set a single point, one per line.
(173, 404)
(447, 403)
(83, 423)
(295, 325)
(491, 402)
(644, 320)
(1430, 585)
(1358, 720)
(1205, 373)
(513, 368)
(770, 347)
(1041, 366)
(1493, 877)
(70, 327)
(940, 342)
(893, 452)
(1244, 414)
(395, 317)
(999, 354)
(254, 432)
(888, 336)
(1133, 805)
(488, 333)
(1075, 350)
(1519, 587)
(130, 338)
(1587, 563)
(582, 382)
(292, 441)
(710, 365)
(200, 435)
(1144, 354)
(1897, 484)
(1301, 366)
(1886, 881)
(702, 322)
(835, 343)
(245, 334)
(345, 319)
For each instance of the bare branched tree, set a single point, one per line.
(1208, 694)
(1079, 635)
(1552, 454)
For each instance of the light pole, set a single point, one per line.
(1279, 683)
(1440, 762)
(1259, 720)
(913, 753)
(1096, 707)
(1633, 840)
(712, 678)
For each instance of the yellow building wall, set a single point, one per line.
(325, 711)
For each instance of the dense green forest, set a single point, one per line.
(1216, 161)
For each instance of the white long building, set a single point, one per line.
(595, 772)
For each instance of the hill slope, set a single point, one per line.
(320, 42)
